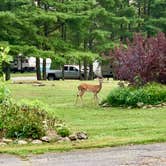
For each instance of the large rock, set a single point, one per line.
(36, 141)
(46, 139)
(53, 136)
(5, 140)
(73, 137)
(64, 139)
(140, 104)
(22, 142)
(82, 135)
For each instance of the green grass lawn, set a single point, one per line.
(24, 74)
(105, 126)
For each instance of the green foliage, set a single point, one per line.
(62, 130)
(24, 120)
(4, 93)
(5, 59)
(129, 96)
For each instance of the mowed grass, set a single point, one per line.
(105, 126)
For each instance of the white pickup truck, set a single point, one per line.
(70, 72)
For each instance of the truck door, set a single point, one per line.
(73, 72)
(66, 71)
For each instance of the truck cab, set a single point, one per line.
(70, 72)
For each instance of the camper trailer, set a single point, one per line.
(103, 69)
(23, 64)
(106, 70)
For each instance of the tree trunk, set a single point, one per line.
(44, 69)
(139, 14)
(45, 47)
(63, 73)
(80, 73)
(7, 74)
(85, 69)
(6, 70)
(91, 75)
(38, 72)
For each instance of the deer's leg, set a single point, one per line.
(80, 94)
(96, 99)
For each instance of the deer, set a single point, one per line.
(84, 87)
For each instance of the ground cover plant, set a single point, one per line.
(24, 120)
(105, 126)
(151, 93)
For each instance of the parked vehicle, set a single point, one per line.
(70, 72)
(23, 64)
(106, 70)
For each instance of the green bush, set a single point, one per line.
(129, 96)
(63, 131)
(24, 120)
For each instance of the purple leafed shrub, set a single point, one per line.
(142, 61)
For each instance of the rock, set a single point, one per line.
(73, 137)
(5, 140)
(64, 139)
(29, 139)
(82, 135)
(145, 107)
(3, 144)
(36, 141)
(149, 106)
(140, 104)
(22, 142)
(159, 105)
(105, 105)
(53, 135)
(46, 139)
(164, 104)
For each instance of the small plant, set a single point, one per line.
(62, 130)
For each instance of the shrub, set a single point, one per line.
(129, 96)
(24, 120)
(142, 61)
(62, 130)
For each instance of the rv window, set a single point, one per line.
(66, 68)
(26, 61)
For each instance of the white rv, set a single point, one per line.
(28, 64)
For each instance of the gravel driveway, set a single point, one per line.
(137, 155)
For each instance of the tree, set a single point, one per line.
(143, 60)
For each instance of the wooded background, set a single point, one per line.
(75, 31)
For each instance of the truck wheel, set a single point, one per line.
(51, 77)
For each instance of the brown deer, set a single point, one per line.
(84, 87)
